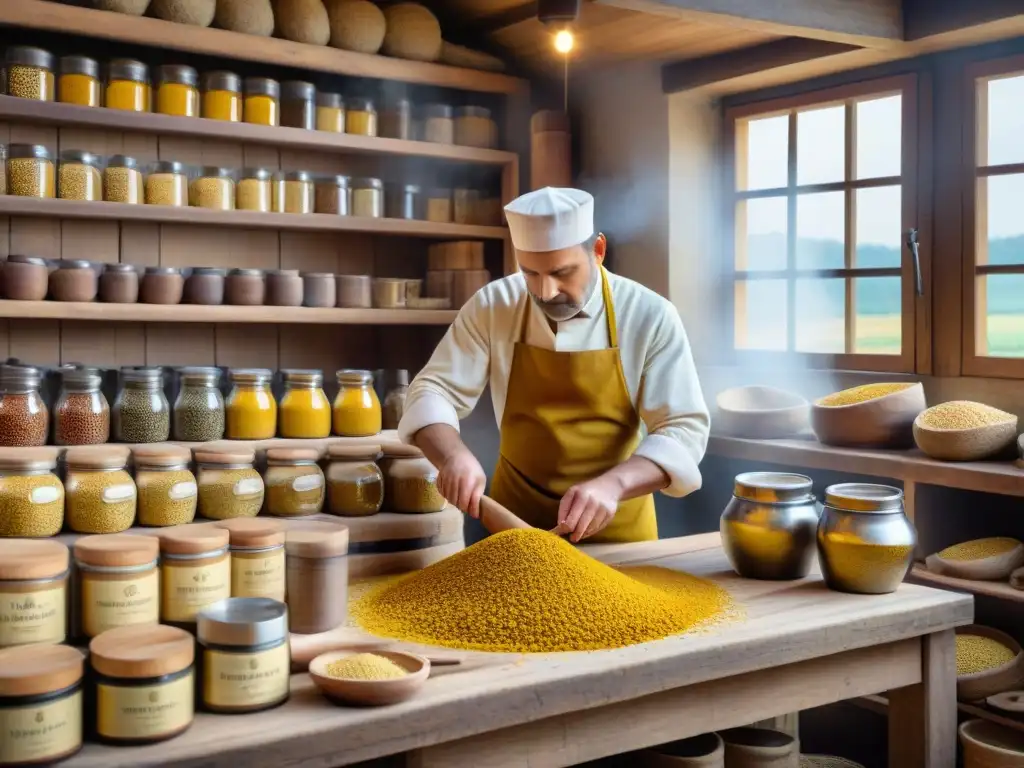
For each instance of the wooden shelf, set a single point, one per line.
(1000, 589)
(880, 705)
(11, 205)
(13, 109)
(66, 19)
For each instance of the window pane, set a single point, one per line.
(1005, 121)
(820, 230)
(879, 137)
(765, 233)
(879, 321)
(761, 314)
(821, 145)
(1004, 315)
(879, 227)
(767, 160)
(821, 315)
(1005, 220)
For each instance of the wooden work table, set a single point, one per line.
(798, 646)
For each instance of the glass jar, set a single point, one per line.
(245, 287)
(30, 171)
(33, 592)
(205, 285)
(474, 127)
(254, 190)
(118, 582)
(439, 205)
(298, 105)
(330, 112)
(99, 495)
(368, 197)
(361, 117)
(31, 495)
(162, 285)
(199, 407)
(135, 667)
(128, 86)
(284, 288)
(438, 125)
(465, 203)
(257, 557)
(305, 411)
(167, 184)
(74, 280)
(293, 192)
(356, 411)
(123, 181)
(222, 96)
(29, 73)
(333, 195)
(79, 176)
(24, 418)
(25, 278)
(213, 188)
(316, 570)
(405, 201)
(318, 289)
(396, 121)
(251, 408)
(295, 482)
(394, 401)
(81, 415)
(141, 411)
(389, 292)
(229, 487)
(195, 571)
(410, 481)
(167, 487)
(355, 484)
(119, 284)
(177, 91)
(79, 81)
(3, 165)
(354, 291)
(246, 658)
(262, 101)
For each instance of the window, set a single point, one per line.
(823, 196)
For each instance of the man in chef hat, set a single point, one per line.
(592, 380)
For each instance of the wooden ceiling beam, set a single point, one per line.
(932, 18)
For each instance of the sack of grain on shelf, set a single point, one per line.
(302, 21)
(356, 25)
(413, 32)
(460, 56)
(252, 17)
(198, 13)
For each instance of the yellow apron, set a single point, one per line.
(568, 418)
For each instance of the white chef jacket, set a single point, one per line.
(656, 358)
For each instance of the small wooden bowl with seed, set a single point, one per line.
(370, 693)
(883, 421)
(1007, 555)
(966, 443)
(978, 686)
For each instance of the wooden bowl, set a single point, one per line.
(994, 568)
(762, 413)
(705, 751)
(965, 444)
(1010, 702)
(885, 422)
(987, 745)
(980, 685)
(371, 693)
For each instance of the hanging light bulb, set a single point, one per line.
(564, 41)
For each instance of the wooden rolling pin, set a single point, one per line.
(496, 518)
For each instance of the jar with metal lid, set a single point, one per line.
(162, 285)
(333, 195)
(295, 482)
(368, 197)
(354, 291)
(177, 90)
(118, 582)
(3, 166)
(222, 96)
(195, 571)
(361, 117)
(141, 411)
(24, 418)
(251, 408)
(405, 201)
(199, 407)
(262, 101)
(284, 288)
(257, 557)
(330, 112)
(31, 495)
(865, 541)
(254, 190)
(465, 203)
(79, 176)
(229, 486)
(99, 495)
(41, 702)
(30, 171)
(119, 284)
(128, 86)
(439, 205)
(318, 289)
(293, 192)
(33, 592)
(316, 568)
(167, 487)
(768, 527)
(81, 415)
(212, 188)
(305, 411)
(246, 658)
(144, 686)
(410, 481)
(298, 104)
(25, 278)
(245, 287)
(389, 292)
(167, 184)
(205, 285)
(438, 125)
(394, 401)
(356, 407)
(123, 181)
(396, 121)
(474, 127)
(74, 280)
(29, 73)
(355, 484)
(79, 81)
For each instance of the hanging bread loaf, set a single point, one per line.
(131, 7)
(302, 21)
(198, 13)
(413, 32)
(356, 25)
(253, 17)
(460, 56)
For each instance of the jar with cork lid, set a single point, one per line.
(222, 96)
(33, 591)
(316, 567)
(123, 181)
(141, 411)
(30, 171)
(355, 484)
(295, 482)
(128, 86)
(31, 495)
(257, 557)
(356, 409)
(25, 278)
(262, 101)
(81, 415)
(251, 407)
(177, 91)
(118, 582)
(305, 411)
(24, 417)
(229, 485)
(195, 571)
(119, 284)
(99, 494)
(410, 480)
(79, 81)
(199, 409)
(167, 487)
(29, 73)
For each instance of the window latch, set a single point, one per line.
(914, 245)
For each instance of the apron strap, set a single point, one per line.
(609, 308)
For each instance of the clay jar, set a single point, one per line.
(119, 284)
(162, 285)
(25, 278)
(318, 289)
(205, 286)
(74, 280)
(284, 288)
(245, 287)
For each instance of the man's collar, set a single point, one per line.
(594, 301)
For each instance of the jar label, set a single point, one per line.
(307, 482)
(145, 711)
(116, 493)
(185, 490)
(246, 679)
(189, 589)
(249, 486)
(45, 494)
(41, 733)
(32, 617)
(119, 602)
(258, 576)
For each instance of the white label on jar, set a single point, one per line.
(46, 494)
(307, 482)
(185, 490)
(41, 733)
(250, 486)
(116, 493)
(189, 589)
(258, 576)
(246, 679)
(118, 603)
(144, 712)
(32, 617)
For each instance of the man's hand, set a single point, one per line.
(461, 480)
(587, 508)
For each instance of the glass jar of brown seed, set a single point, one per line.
(30, 171)
(30, 73)
(123, 181)
(79, 176)
(81, 415)
(199, 407)
(119, 284)
(99, 495)
(298, 105)
(74, 280)
(410, 481)
(24, 418)
(205, 285)
(333, 195)
(141, 411)
(212, 188)
(167, 184)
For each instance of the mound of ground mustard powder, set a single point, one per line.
(530, 591)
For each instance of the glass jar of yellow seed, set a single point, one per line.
(254, 190)
(262, 101)
(167, 487)
(167, 184)
(29, 73)
(222, 96)
(30, 171)
(128, 86)
(295, 482)
(293, 192)
(31, 495)
(123, 181)
(79, 176)
(177, 91)
(410, 481)
(100, 495)
(79, 81)
(229, 486)
(213, 188)
(355, 484)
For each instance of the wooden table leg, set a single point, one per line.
(922, 717)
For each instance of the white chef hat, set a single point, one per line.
(550, 218)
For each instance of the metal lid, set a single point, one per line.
(262, 86)
(17, 151)
(177, 73)
(328, 99)
(297, 90)
(128, 69)
(79, 156)
(245, 272)
(15, 378)
(123, 268)
(303, 378)
(473, 112)
(79, 65)
(81, 377)
(360, 104)
(163, 271)
(168, 166)
(367, 182)
(864, 497)
(214, 171)
(443, 111)
(74, 264)
(200, 374)
(209, 271)
(260, 174)
(318, 276)
(122, 161)
(143, 374)
(293, 176)
(335, 181)
(409, 189)
(772, 487)
(18, 258)
(282, 273)
(221, 80)
(251, 375)
(243, 622)
(27, 56)
(354, 376)
(401, 378)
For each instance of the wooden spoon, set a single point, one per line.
(496, 518)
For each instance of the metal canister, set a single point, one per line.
(865, 541)
(768, 527)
